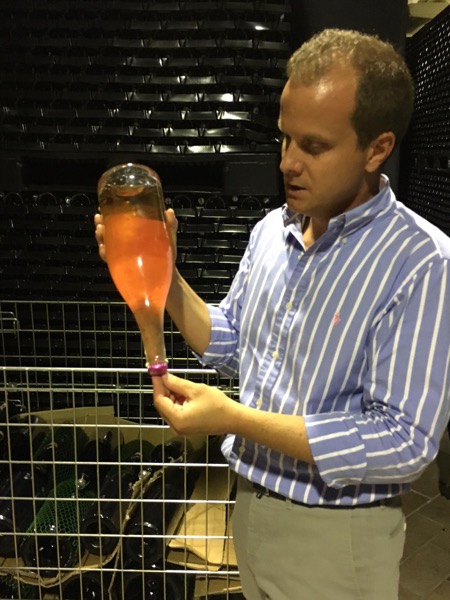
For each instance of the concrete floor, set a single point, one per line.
(425, 570)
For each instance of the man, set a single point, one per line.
(338, 326)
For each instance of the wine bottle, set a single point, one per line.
(93, 463)
(12, 589)
(145, 541)
(173, 450)
(23, 436)
(88, 585)
(10, 408)
(152, 584)
(139, 250)
(102, 524)
(59, 452)
(21, 494)
(51, 542)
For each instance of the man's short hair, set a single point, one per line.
(385, 91)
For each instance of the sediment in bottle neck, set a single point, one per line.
(150, 323)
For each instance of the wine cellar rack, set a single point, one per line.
(193, 89)
(98, 498)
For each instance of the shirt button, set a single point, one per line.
(259, 403)
(344, 240)
(289, 306)
(242, 448)
(275, 355)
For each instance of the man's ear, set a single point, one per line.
(379, 151)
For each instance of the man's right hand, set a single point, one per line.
(171, 223)
(172, 228)
(100, 236)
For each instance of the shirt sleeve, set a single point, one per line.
(222, 352)
(405, 397)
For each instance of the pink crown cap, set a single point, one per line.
(157, 369)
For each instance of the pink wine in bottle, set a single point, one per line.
(139, 250)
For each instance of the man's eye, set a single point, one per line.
(315, 148)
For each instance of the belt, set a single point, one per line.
(262, 491)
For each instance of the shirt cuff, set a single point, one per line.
(337, 448)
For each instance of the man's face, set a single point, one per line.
(323, 168)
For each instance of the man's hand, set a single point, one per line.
(171, 223)
(193, 408)
(100, 235)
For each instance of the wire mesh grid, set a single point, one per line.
(98, 498)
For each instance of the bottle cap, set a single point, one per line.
(157, 369)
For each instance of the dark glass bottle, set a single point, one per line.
(12, 589)
(102, 524)
(59, 452)
(152, 584)
(21, 493)
(51, 542)
(170, 451)
(144, 541)
(89, 585)
(93, 463)
(10, 408)
(23, 435)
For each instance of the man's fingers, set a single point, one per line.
(171, 220)
(100, 235)
(178, 386)
(158, 387)
(172, 226)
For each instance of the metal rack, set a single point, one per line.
(60, 407)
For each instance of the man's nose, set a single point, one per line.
(291, 161)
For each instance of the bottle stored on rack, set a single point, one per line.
(51, 542)
(103, 522)
(145, 542)
(152, 584)
(12, 589)
(11, 408)
(93, 463)
(88, 585)
(23, 436)
(59, 452)
(21, 495)
(139, 250)
(170, 451)
(33, 430)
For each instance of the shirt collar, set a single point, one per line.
(292, 218)
(354, 218)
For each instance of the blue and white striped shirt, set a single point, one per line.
(352, 333)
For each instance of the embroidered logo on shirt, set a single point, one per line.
(336, 319)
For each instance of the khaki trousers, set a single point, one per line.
(291, 552)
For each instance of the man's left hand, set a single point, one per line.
(193, 408)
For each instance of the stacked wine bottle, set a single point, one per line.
(64, 496)
(23, 483)
(73, 466)
(145, 572)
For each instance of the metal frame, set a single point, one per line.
(38, 378)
